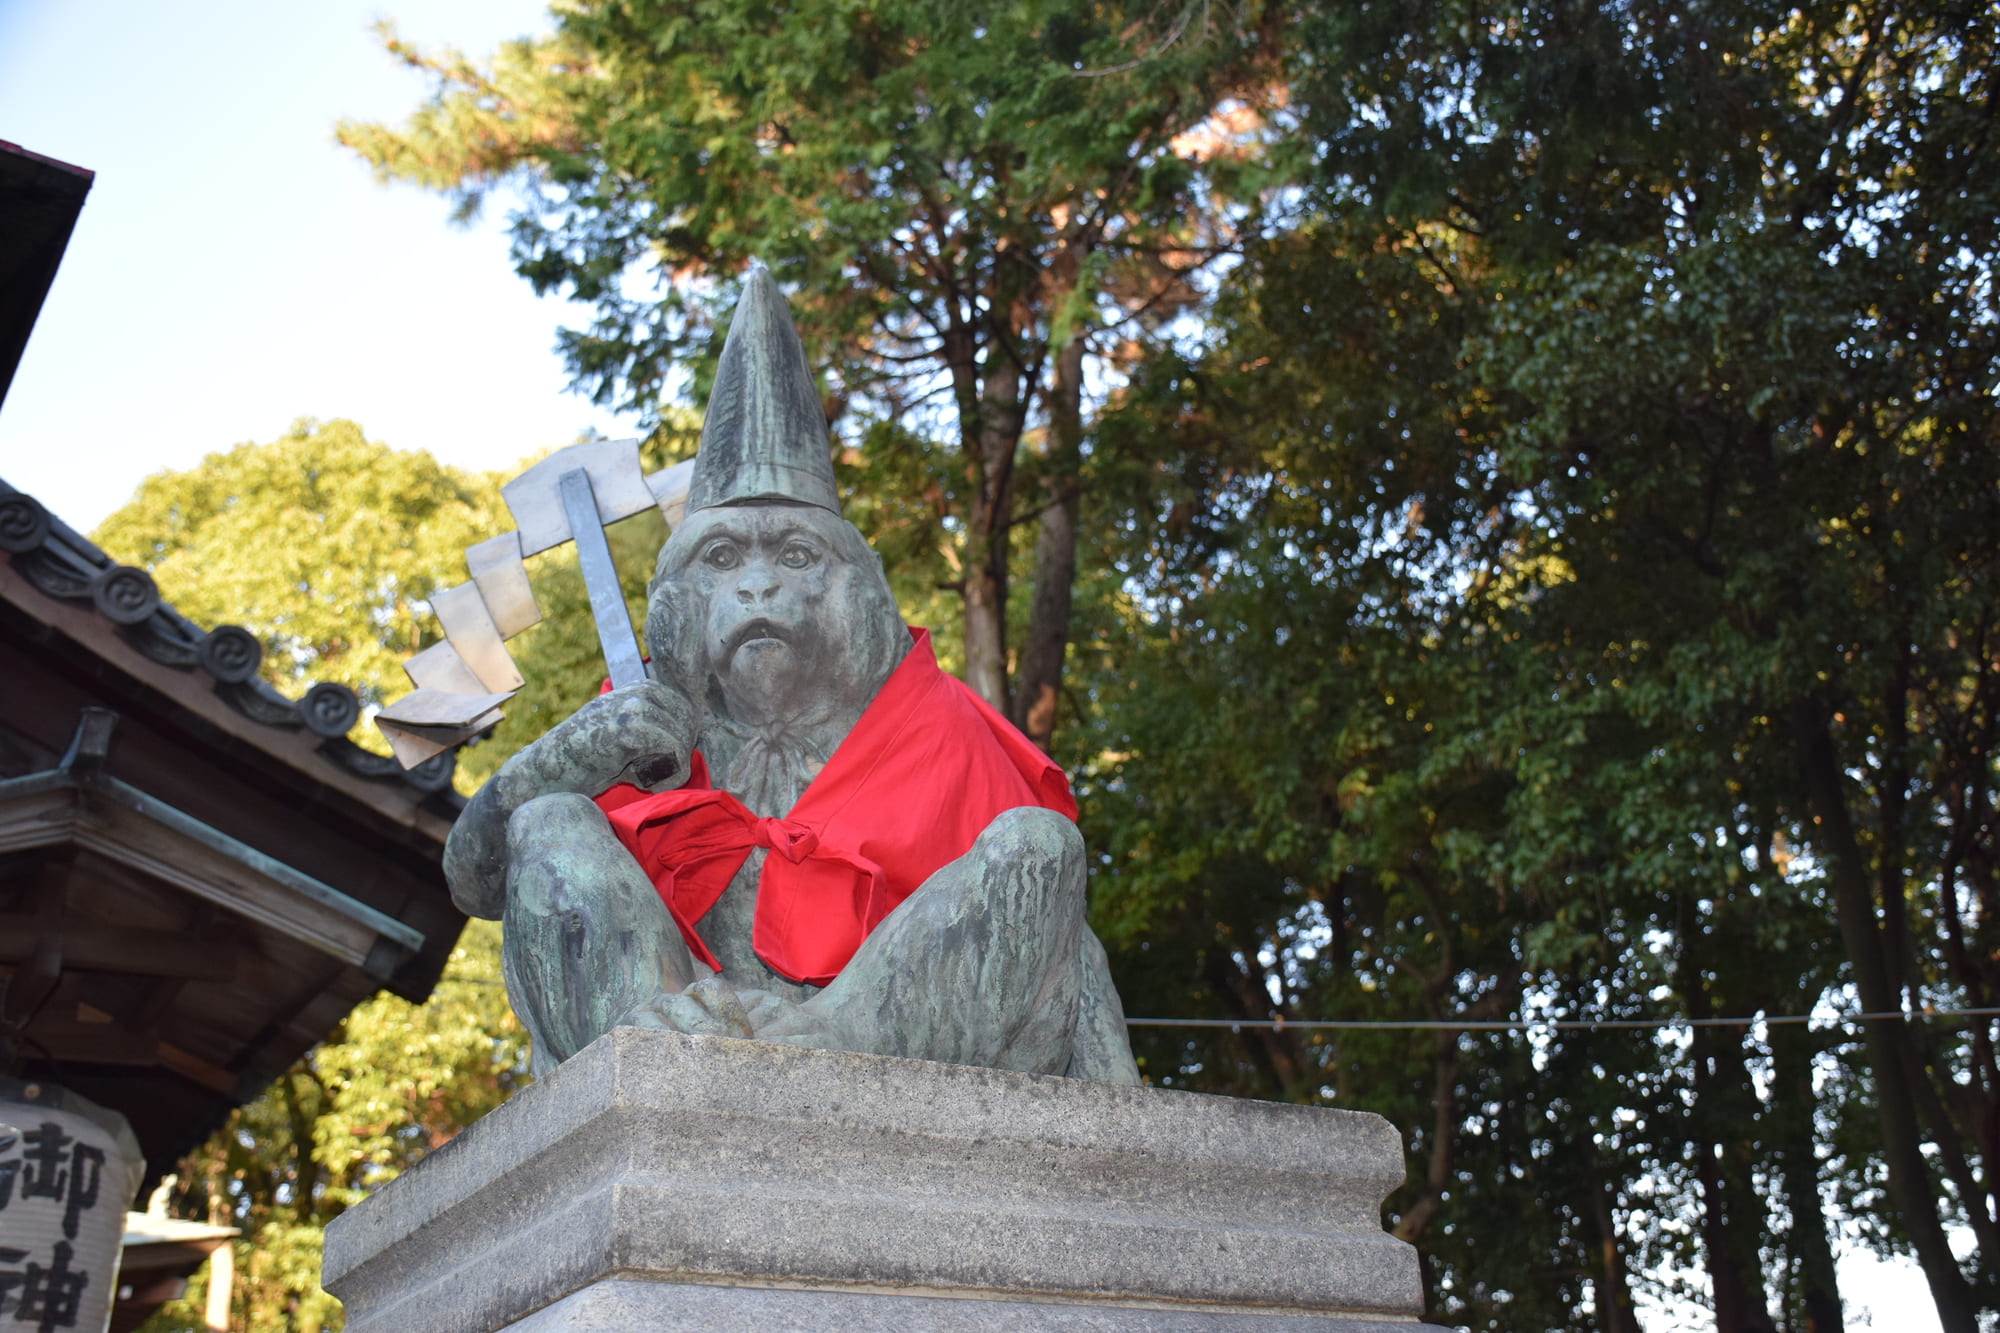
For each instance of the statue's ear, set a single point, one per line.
(673, 629)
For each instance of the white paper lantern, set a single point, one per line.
(68, 1171)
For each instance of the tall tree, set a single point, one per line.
(982, 211)
(1622, 421)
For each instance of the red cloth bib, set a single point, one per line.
(925, 770)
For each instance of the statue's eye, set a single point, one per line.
(721, 555)
(798, 555)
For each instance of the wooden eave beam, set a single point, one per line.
(91, 946)
(96, 1043)
(127, 826)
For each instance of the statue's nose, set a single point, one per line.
(760, 583)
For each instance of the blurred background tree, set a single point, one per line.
(322, 543)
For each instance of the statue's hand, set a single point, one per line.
(641, 734)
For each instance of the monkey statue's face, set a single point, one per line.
(766, 575)
(772, 617)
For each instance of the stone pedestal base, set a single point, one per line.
(663, 1182)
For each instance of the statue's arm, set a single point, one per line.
(641, 734)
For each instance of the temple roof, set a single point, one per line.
(199, 877)
(39, 199)
(53, 559)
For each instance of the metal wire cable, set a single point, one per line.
(1547, 1024)
(1507, 1025)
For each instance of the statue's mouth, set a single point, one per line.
(754, 631)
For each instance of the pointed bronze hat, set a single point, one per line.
(765, 435)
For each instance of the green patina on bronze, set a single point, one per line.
(764, 658)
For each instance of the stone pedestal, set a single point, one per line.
(663, 1182)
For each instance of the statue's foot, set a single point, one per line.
(706, 1008)
(712, 1007)
(775, 1018)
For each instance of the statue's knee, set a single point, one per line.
(554, 820)
(560, 850)
(1032, 836)
(1032, 831)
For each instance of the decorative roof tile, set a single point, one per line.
(62, 563)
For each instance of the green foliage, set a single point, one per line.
(322, 543)
(1564, 583)
(970, 204)
(829, 140)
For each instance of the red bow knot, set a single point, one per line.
(788, 838)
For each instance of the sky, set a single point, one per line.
(235, 269)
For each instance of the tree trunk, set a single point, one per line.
(1720, 1130)
(1889, 1055)
(1038, 684)
(1791, 1115)
(988, 530)
(1278, 1053)
(1443, 1136)
(1728, 1234)
(1613, 1288)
